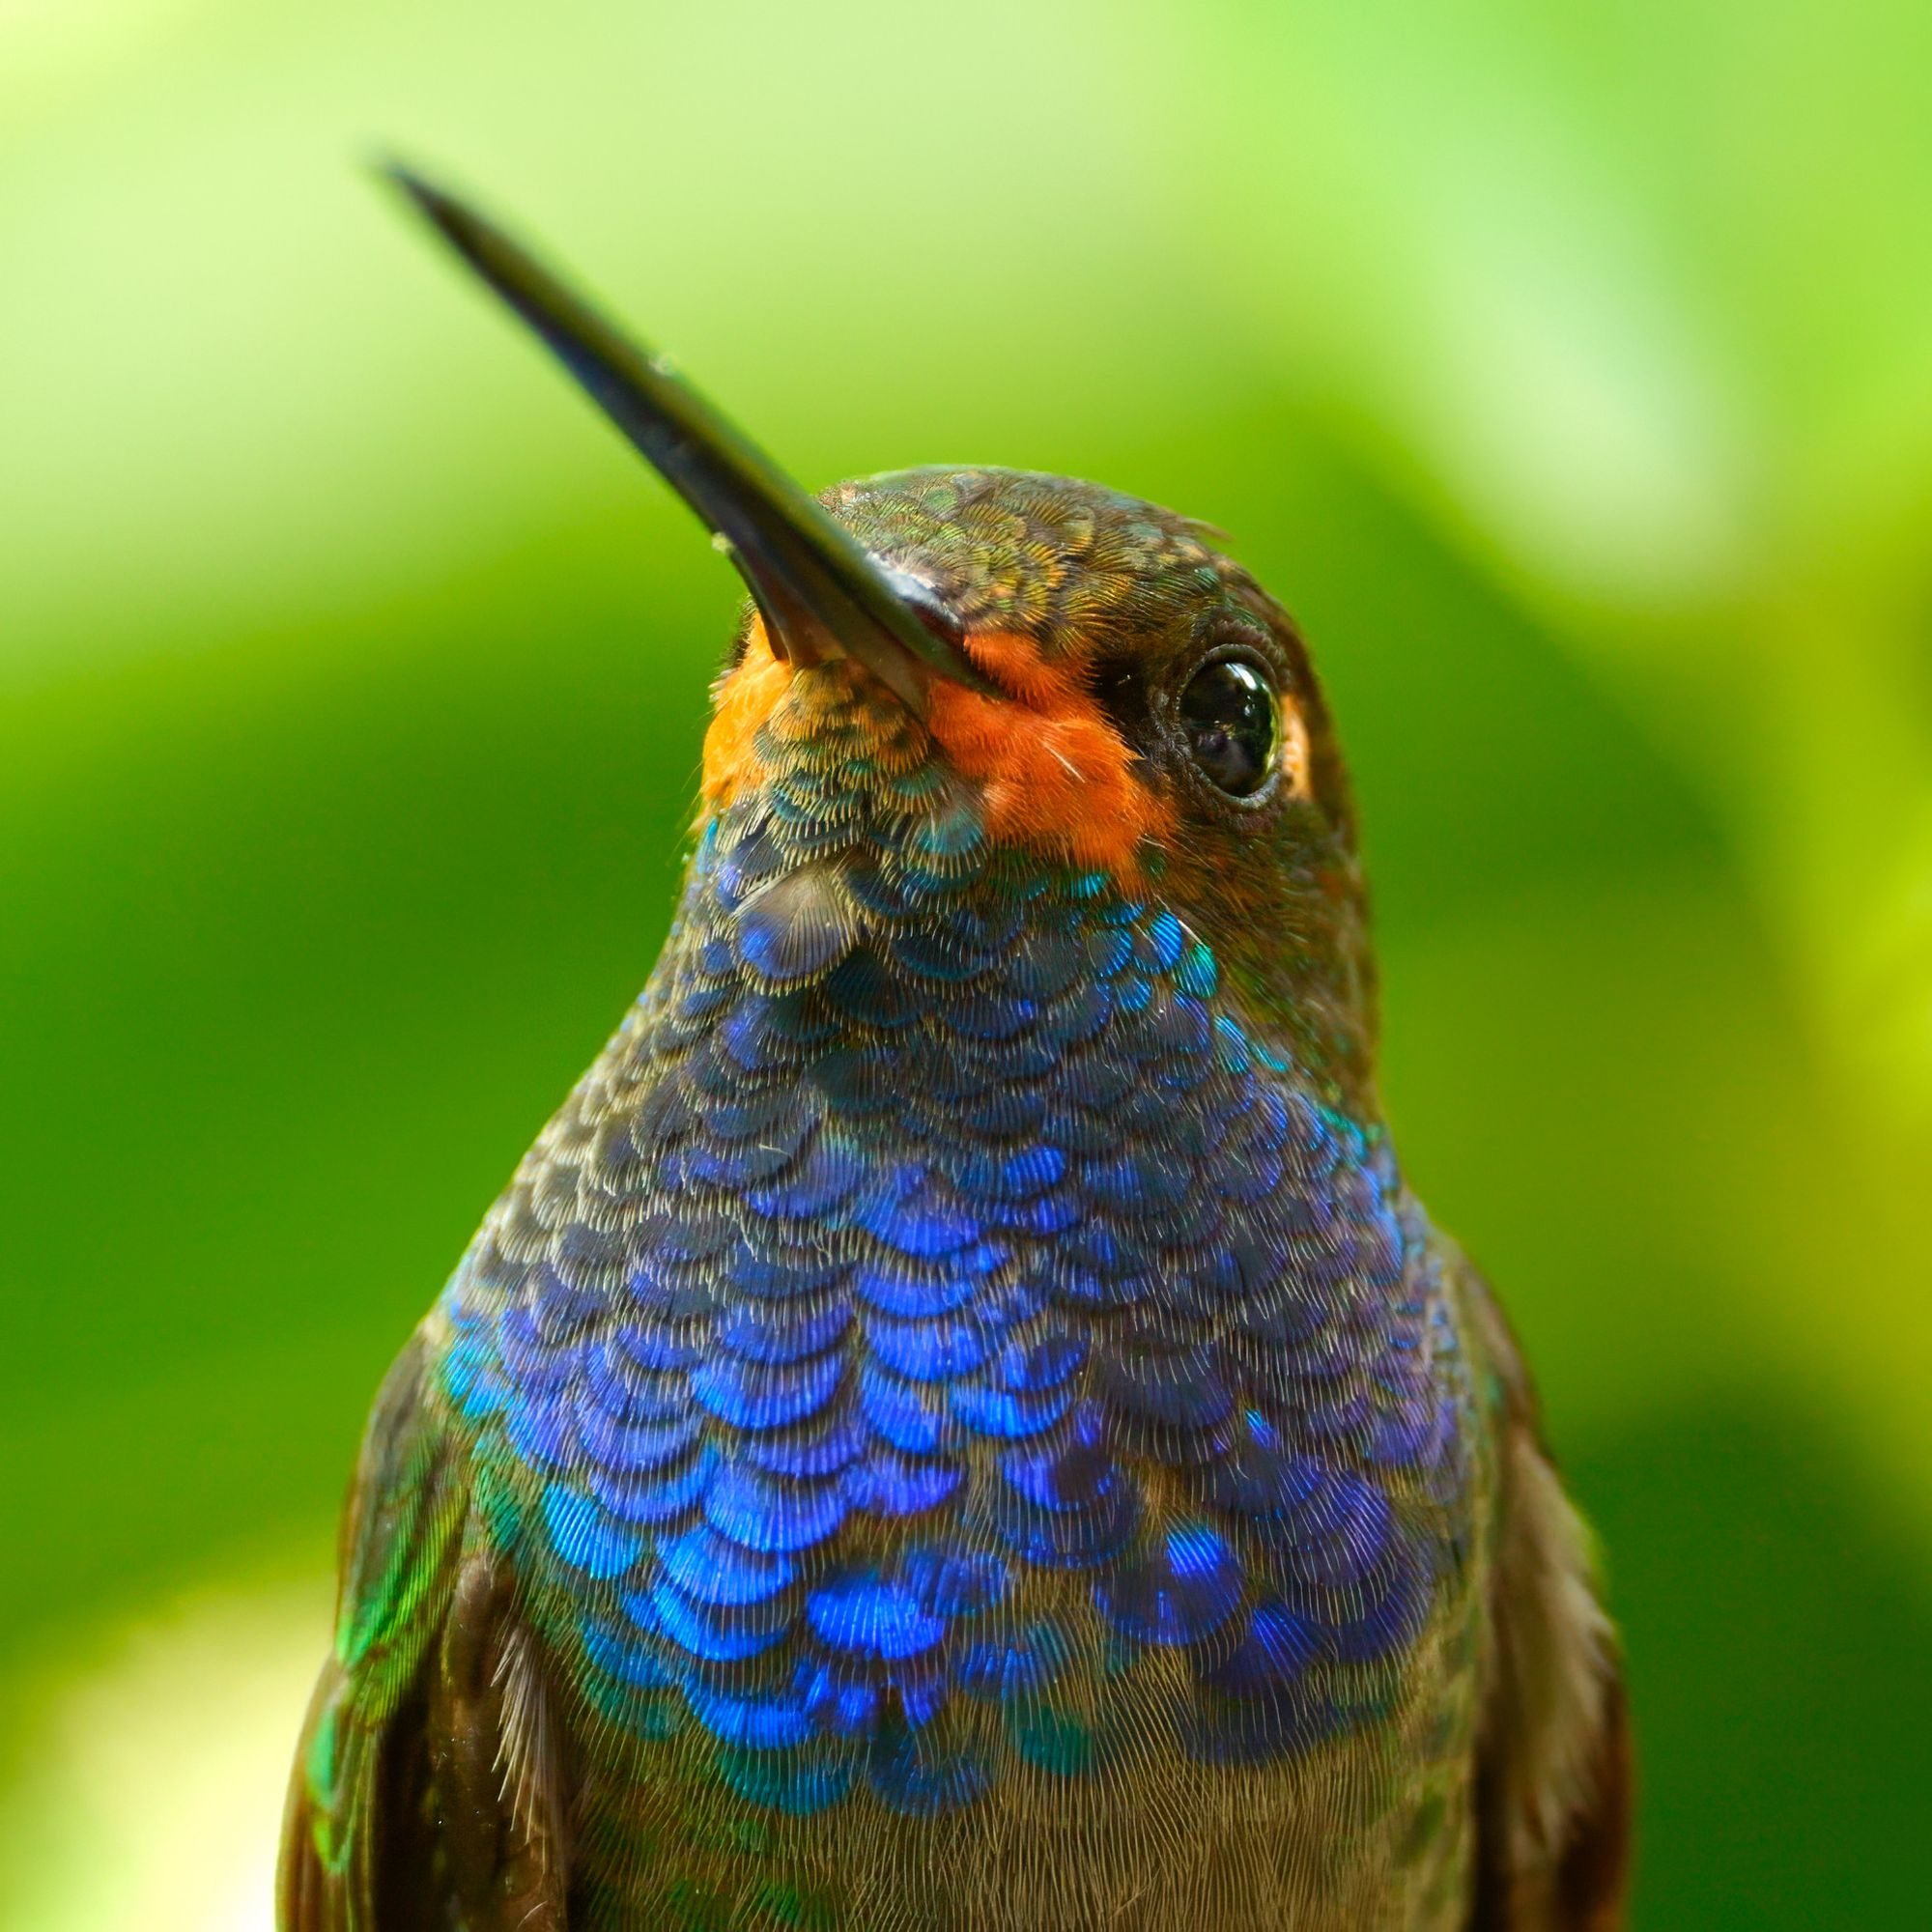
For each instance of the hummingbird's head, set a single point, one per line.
(1140, 708)
(1065, 684)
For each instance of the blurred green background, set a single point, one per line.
(1569, 371)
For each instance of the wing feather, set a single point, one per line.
(355, 1851)
(1554, 1763)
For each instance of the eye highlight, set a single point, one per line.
(1231, 719)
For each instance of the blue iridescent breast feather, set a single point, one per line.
(939, 1301)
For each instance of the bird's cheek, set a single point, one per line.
(746, 697)
(1056, 777)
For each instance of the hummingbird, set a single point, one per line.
(959, 1422)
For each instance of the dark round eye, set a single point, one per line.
(1232, 722)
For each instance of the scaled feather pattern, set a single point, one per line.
(958, 1421)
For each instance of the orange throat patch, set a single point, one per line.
(1051, 770)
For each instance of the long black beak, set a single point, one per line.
(821, 593)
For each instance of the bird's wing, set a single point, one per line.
(1553, 1767)
(428, 1775)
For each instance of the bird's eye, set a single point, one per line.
(1232, 722)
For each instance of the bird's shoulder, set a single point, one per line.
(429, 1764)
(1553, 1755)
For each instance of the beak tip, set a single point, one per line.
(466, 232)
(388, 168)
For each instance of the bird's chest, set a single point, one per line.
(983, 1444)
(1101, 1810)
